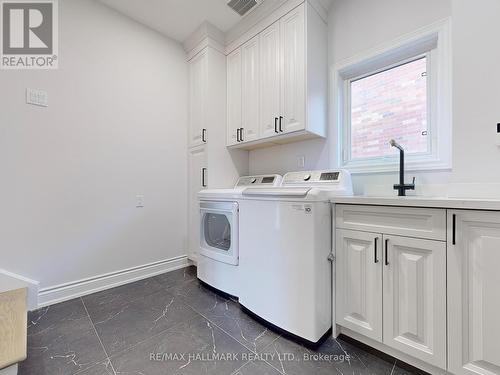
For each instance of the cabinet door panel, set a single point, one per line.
(197, 167)
(250, 89)
(474, 292)
(197, 85)
(359, 282)
(415, 298)
(234, 91)
(293, 97)
(270, 79)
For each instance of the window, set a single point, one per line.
(401, 92)
(389, 104)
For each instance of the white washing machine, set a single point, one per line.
(285, 243)
(218, 256)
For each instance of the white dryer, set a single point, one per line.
(285, 244)
(218, 255)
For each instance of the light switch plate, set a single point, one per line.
(37, 97)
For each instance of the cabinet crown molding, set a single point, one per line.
(206, 35)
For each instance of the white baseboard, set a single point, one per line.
(31, 285)
(67, 291)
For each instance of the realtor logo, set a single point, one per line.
(29, 34)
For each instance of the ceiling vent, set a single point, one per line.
(242, 7)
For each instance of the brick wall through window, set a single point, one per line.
(390, 104)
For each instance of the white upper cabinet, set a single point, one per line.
(270, 70)
(473, 292)
(293, 79)
(234, 92)
(283, 81)
(250, 53)
(197, 86)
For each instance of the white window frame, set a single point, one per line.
(433, 42)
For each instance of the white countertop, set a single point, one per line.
(417, 201)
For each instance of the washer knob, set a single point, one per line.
(307, 177)
(253, 181)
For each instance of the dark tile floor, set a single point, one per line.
(172, 324)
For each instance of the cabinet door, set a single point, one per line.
(359, 282)
(473, 292)
(250, 89)
(270, 80)
(197, 85)
(293, 82)
(197, 181)
(233, 96)
(415, 297)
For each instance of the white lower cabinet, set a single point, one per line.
(359, 282)
(414, 294)
(473, 292)
(392, 288)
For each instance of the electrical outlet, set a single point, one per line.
(139, 201)
(37, 97)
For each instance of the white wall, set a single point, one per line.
(357, 25)
(115, 127)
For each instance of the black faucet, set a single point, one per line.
(402, 187)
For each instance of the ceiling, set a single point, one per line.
(177, 19)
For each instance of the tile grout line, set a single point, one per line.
(224, 331)
(167, 290)
(227, 333)
(151, 337)
(140, 342)
(235, 372)
(244, 345)
(98, 337)
(270, 364)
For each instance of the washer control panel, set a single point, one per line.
(327, 177)
(262, 180)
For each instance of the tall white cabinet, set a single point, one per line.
(210, 163)
(473, 292)
(283, 82)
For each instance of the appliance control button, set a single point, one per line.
(253, 181)
(307, 177)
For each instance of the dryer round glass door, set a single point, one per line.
(218, 231)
